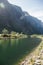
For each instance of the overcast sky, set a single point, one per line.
(33, 7)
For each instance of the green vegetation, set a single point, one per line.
(12, 50)
(5, 31)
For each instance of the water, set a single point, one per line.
(12, 49)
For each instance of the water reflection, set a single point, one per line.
(12, 49)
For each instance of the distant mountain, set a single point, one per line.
(14, 19)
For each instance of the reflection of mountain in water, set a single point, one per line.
(13, 18)
(12, 50)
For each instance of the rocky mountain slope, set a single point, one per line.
(14, 19)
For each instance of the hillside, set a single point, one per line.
(13, 18)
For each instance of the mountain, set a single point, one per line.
(14, 19)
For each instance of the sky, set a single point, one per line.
(33, 7)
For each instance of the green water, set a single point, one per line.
(13, 49)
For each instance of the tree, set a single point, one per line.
(13, 33)
(5, 31)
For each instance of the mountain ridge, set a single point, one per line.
(13, 18)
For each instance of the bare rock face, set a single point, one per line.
(14, 19)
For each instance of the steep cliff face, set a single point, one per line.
(14, 19)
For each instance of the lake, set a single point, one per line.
(11, 50)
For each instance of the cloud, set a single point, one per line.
(38, 14)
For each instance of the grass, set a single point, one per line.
(12, 50)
